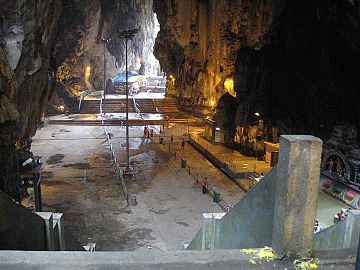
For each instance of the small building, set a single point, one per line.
(212, 132)
(136, 83)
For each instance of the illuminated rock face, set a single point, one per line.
(199, 41)
(290, 60)
(78, 63)
(45, 50)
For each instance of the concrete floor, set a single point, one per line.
(80, 181)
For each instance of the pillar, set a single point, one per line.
(58, 218)
(297, 185)
(49, 229)
(210, 230)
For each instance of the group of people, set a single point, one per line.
(341, 216)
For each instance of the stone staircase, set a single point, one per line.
(109, 106)
(167, 105)
(146, 105)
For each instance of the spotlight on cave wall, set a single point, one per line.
(87, 75)
(212, 102)
(87, 72)
(229, 86)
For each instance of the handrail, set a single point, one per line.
(195, 175)
(156, 108)
(137, 110)
(119, 169)
(82, 96)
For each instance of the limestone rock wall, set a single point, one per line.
(26, 34)
(294, 62)
(77, 47)
(45, 49)
(199, 41)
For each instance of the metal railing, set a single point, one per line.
(234, 167)
(195, 175)
(119, 169)
(156, 108)
(84, 93)
(136, 106)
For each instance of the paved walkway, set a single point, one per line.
(78, 180)
(327, 205)
(235, 160)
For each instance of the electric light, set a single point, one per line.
(218, 129)
(87, 72)
(212, 103)
(257, 114)
(229, 86)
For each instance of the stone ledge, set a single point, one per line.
(148, 259)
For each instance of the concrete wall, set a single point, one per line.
(19, 228)
(249, 223)
(344, 235)
(279, 211)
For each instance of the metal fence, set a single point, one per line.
(195, 175)
(119, 169)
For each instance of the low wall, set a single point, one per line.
(20, 229)
(249, 223)
(344, 235)
(216, 162)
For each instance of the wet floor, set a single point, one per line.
(79, 180)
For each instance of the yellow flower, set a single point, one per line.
(313, 265)
(252, 262)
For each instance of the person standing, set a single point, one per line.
(183, 144)
(172, 138)
(205, 185)
(145, 130)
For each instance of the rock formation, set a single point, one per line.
(294, 63)
(27, 31)
(45, 49)
(78, 63)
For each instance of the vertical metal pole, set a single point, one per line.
(357, 267)
(127, 107)
(104, 70)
